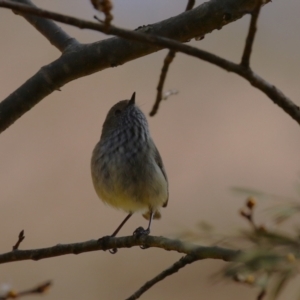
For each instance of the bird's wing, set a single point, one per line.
(159, 162)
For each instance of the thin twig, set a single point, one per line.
(120, 242)
(248, 215)
(188, 259)
(262, 294)
(248, 212)
(163, 74)
(251, 34)
(13, 106)
(190, 5)
(21, 237)
(104, 6)
(40, 289)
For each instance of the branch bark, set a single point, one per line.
(106, 243)
(81, 60)
(53, 33)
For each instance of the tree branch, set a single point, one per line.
(82, 60)
(21, 237)
(38, 290)
(104, 6)
(54, 34)
(188, 259)
(163, 74)
(87, 59)
(164, 71)
(251, 34)
(107, 243)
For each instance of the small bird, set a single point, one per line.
(127, 169)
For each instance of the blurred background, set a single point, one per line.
(218, 132)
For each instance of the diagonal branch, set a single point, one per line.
(40, 289)
(87, 59)
(107, 243)
(54, 34)
(251, 34)
(188, 259)
(83, 60)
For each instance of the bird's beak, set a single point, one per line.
(132, 100)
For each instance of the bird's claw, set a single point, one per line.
(140, 231)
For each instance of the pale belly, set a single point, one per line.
(135, 186)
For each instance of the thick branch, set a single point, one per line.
(188, 259)
(107, 243)
(79, 61)
(54, 34)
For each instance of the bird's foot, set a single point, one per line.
(139, 232)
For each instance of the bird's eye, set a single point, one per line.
(117, 111)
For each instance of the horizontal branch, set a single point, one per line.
(106, 243)
(82, 60)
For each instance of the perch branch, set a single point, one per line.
(107, 243)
